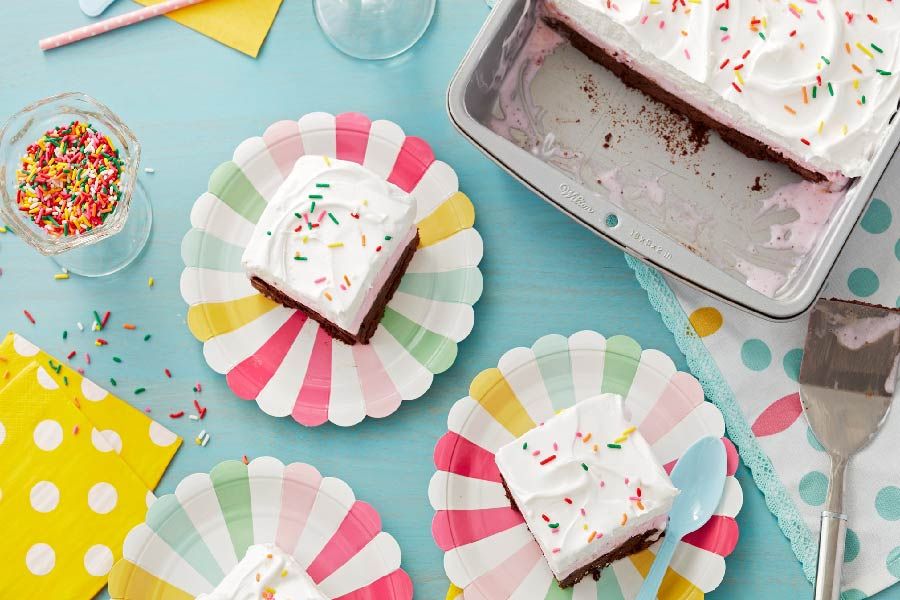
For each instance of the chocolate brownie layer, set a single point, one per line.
(370, 321)
(869, 304)
(742, 142)
(632, 545)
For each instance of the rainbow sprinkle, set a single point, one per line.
(69, 180)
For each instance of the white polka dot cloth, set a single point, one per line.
(78, 468)
(749, 367)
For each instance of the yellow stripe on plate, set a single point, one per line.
(454, 215)
(492, 391)
(674, 586)
(215, 318)
(127, 581)
(453, 592)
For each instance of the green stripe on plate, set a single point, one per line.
(459, 285)
(554, 592)
(622, 357)
(608, 587)
(434, 352)
(171, 523)
(233, 491)
(233, 188)
(552, 353)
(205, 251)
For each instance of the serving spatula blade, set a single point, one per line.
(847, 382)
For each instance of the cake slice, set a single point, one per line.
(266, 573)
(588, 486)
(334, 242)
(811, 85)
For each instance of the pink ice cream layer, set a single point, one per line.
(381, 280)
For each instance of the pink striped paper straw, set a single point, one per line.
(125, 20)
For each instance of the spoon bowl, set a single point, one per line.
(700, 476)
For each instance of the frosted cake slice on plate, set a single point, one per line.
(588, 486)
(334, 242)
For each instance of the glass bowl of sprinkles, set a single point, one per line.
(70, 190)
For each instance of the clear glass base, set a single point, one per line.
(374, 29)
(114, 253)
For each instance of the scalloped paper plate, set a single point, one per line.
(277, 356)
(191, 539)
(489, 553)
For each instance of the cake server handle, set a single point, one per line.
(832, 534)
(831, 555)
(658, 570)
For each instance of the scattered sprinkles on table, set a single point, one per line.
(100, 323)
(607, 486)
(69, 181)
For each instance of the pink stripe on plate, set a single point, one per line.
(379, 393)
(719, 536)
(731, 456)
(359, 526)
(680, 397)
(414, 159)
(669, 466)
(456, 454)
(452, 528)
(285, 144)
(396, 586)
(298, 492)
(249, 377)
(311, 407)
(502, 580)
(352, 130)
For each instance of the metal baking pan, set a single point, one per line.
(635, 173)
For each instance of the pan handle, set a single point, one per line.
(831, 555)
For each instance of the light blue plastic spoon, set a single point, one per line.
(700, 475)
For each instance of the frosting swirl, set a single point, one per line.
(328, 233)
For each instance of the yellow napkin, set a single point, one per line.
(67, 497)
(239, 24)
(145, 445)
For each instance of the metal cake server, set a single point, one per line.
(847, 381)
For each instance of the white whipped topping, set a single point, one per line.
(781, 48)
(586, 498)
(265, 573)
(352, 225)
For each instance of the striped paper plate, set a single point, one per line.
(191, 539)
(489, 553)
(278, 357)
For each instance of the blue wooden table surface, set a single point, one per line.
(190, 101)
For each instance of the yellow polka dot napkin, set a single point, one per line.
(145, 445)
(78, 468)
